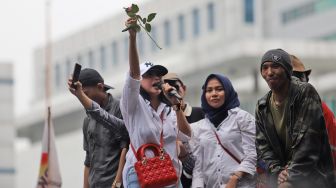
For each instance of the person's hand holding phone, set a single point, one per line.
(75, 87)
(75, 75)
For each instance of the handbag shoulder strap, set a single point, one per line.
(161, 139)
(226, 150)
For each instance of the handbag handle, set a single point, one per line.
(154, 147)
(157, 150)
(227, 151)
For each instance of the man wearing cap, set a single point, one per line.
(193, 114)
(291, 137)
(105, 136)
(301, 73)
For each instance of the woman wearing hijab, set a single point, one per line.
(224, 141)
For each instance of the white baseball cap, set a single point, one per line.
(146, 66)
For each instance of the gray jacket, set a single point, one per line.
(105, 136)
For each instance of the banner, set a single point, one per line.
(49, 176)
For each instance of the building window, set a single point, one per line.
(115, 57)
(102, 58)
(58, 75)
(181, 27)
(196, 22)
(323, 5)
(330, 37)
(91, 59)
(211, 16)
(298, 12)
(154, 36)
(6, 81)
(249, 11)
(167, 33)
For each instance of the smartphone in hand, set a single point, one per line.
(75, 75)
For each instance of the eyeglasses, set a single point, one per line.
(173, 83)
(301, 75)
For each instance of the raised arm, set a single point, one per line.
(92, 108)
(105, 118)
(133, 52)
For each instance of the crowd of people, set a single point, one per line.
(291, 136)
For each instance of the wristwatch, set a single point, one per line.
(116, 184)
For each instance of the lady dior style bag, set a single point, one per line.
(157, 171)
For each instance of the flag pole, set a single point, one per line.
(48, 62)
(48, 53)
(49, 176)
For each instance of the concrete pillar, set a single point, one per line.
(7, 133)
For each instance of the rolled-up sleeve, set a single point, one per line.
(104, 117)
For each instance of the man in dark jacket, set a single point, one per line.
(301, 73)
(291, 137)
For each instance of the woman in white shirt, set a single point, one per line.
(215, 166)
(146, 113)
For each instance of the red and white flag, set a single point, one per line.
(49, 176)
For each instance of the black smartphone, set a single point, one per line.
(75, 75)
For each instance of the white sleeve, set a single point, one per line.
(197, 177)
(246, 125)
(130, 98)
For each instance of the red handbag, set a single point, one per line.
(157, 171)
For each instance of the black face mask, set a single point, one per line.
(304, 77)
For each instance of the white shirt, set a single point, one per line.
(213, 164)
(144, 124)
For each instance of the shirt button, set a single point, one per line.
(218, 170)
(218, 155)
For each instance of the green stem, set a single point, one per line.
(149, 35)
